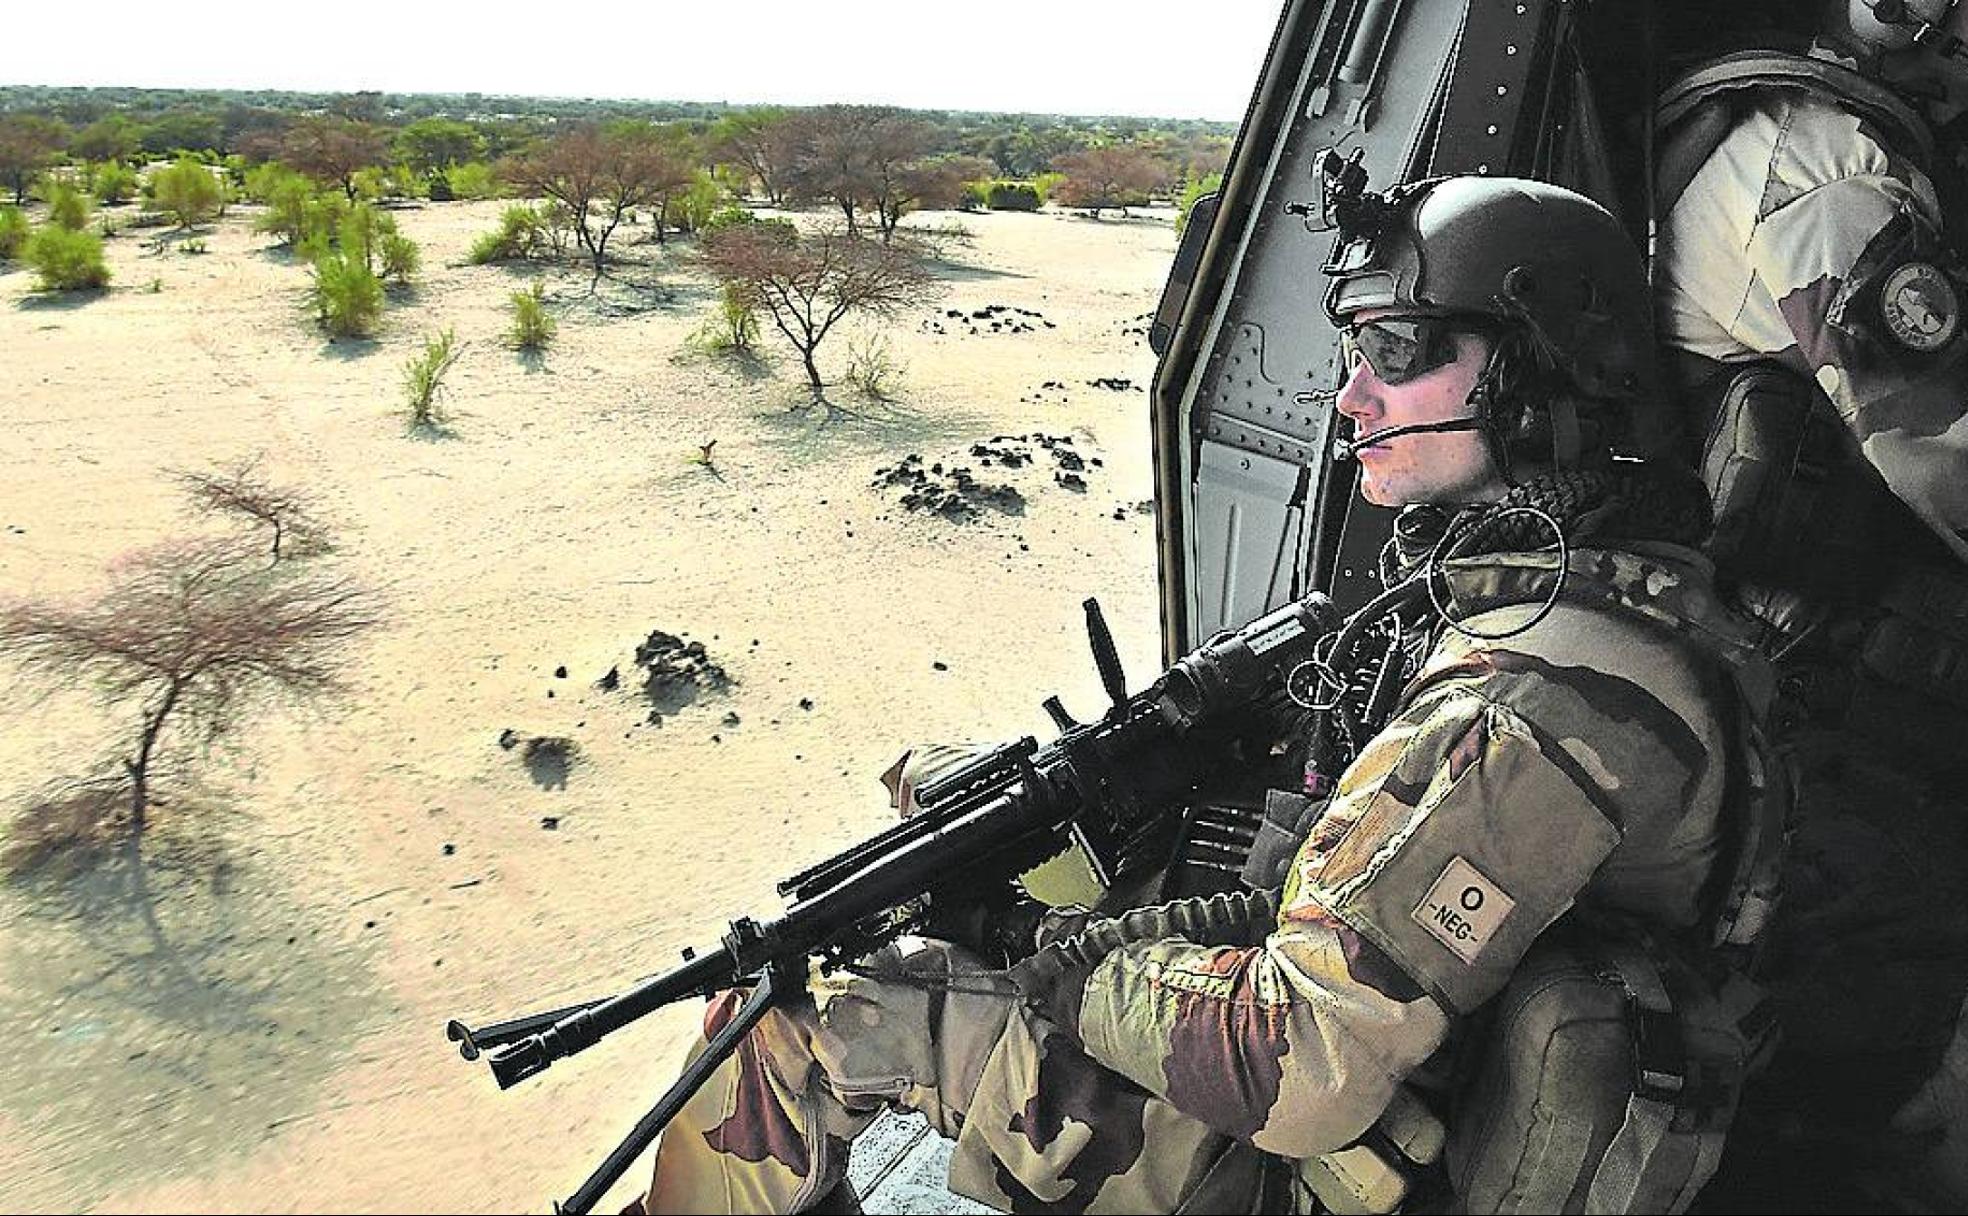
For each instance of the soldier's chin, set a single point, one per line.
(1375, 492)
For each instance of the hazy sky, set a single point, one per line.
(1159, 59)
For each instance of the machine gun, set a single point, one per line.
(1116, 786)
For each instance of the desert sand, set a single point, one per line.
(344, 877)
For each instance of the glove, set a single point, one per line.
(1053, 981)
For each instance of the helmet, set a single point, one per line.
(1571, 378)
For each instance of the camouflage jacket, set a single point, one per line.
(1581, 761)
(1805, 237)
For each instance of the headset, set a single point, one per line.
(1896, 25)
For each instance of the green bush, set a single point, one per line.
(533, 326)
(726, 217)
(68, 207)
(65, 259)
(733, 328)
(347, 295)
(361, 232)
(702, 199)
(13, 232)
(263, 182)
(399, 256)
(522, 233)
(438, 188)
(423, 379)
(113, 182)
(1045, 184)
(296, 209)
(1013, 196)
(976, 196)
(475, 180)
(188, 192)
(1191, 191)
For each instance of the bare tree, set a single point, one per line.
(190, 634)
(334, 149)
(1117, 176)
(600, 176)
(809, 283)
(833, 160)
(243, 492)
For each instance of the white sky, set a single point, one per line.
(1160, 59)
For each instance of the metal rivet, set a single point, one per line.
(1490, 130)
(1484, 168)
(1503, 90)
(1511, 49)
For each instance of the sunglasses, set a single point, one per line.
(1399, 349)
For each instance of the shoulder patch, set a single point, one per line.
(1920, 306)
(1463, 910)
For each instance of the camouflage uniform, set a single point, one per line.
(1582, 764)
(1808, 238)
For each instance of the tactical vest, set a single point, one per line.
(1604, 1077)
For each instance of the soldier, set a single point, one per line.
(1809, 283)
(1554, 808)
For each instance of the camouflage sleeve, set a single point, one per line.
(1456, 837)
(1867, 298)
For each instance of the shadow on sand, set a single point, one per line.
(167, 1005)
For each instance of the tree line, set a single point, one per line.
(102, 123)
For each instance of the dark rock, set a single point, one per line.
(560, 673)
(449, 848)
(611, 681)
(550, 823)
(731, 718)
(1072, 481)
(508, 738)
(939, 665)
(806, 702)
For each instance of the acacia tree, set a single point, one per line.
(190, 634)
(1117, 176)
(763, 142)
(28, 144)
(599, 176)
(243, 492)
(833, 158)
(807, 284)
(334, 149)
(432, 145)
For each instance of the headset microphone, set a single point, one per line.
(1347, 449)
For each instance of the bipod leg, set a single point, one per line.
(773, 985)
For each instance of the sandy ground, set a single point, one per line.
(345, 878)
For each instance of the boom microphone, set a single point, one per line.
(1347, 449)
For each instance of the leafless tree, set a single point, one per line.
(334, 149)
(833, 159)
(242, 491)
(599, 176)
(809, 283)
(189, 635)
(1116, 176)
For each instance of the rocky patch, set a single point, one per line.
(990, 319)
(675, 673)
(956, 493)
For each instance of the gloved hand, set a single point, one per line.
(1000, 931)
(1054, 980)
